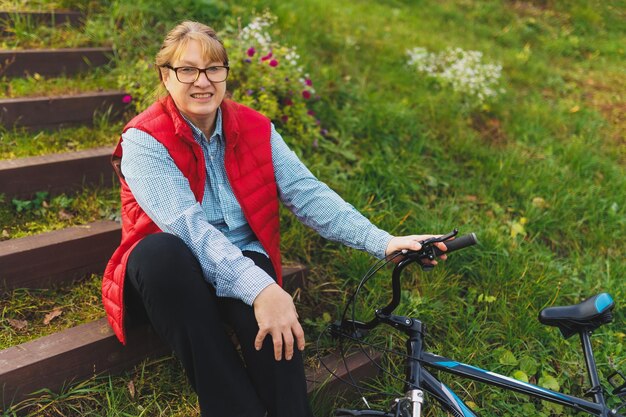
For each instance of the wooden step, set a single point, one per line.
(86, 350)
(56, 173)
(57, 257)
(52, 18)
(52, 62)
(72, 355)
(62, 256)
(60, 111)
(91, 349)
(333, 374)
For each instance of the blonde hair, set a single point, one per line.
(177, 40)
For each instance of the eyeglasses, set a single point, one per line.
(189, 75)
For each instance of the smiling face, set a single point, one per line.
(198, 101)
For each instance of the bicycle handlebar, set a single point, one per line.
(429, 251)
(459, 243)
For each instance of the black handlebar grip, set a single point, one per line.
(457, 243)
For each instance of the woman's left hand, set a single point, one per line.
(412, 242)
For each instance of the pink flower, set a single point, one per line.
(266, 57)
(308, 82)
(284, 118)
(251, 51)
(273, 63)
(306, 94)
(127, 99)
(288, 102)
(310, 112)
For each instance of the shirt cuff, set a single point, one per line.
(250, 284)
(377, 242)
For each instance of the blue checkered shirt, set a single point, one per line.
(216, 231)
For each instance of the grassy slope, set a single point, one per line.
(426, 164)
(423, 157)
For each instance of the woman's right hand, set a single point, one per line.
(276, 315)
(412, 242)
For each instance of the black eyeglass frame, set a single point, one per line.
(200, 71)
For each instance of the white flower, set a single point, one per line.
(255, 32)
(462, 70)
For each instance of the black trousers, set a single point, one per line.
(164, 282)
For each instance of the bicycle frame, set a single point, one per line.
(450, 400)
(418, 378)
(508, 383)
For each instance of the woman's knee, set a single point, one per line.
(162, 251)
(163, 260)
(161, 247)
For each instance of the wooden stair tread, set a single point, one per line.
(57, 257)
(56, 173)
(61, 110)
(53, 62)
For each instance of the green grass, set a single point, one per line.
(23, 32)
(40, 5)
(44, 213)
(19, 143)
(24, 311)
(26, 34)
(538, 174)
(139, 393)
(97, 79)
(532, 160)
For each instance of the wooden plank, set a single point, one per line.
(91, 349)
(77, 354)
(70, 356)
(57, 257)
(333, 374)
(52, 62)
(52, 18)
(56, 173)
(59, 111)
(69, 254)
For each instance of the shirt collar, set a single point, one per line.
(217, 133)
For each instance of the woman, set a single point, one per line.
(201, 180)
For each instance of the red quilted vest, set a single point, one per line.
(248, 162)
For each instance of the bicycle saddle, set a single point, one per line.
(583, 317)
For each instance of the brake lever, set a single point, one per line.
(437, 239)
(428, 249)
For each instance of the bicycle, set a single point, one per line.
(581, 319)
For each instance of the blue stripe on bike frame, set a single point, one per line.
(603, 301)
(453, 364)
(466, 411)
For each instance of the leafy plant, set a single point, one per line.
(37, 205)
(140, 81)
(269, 77)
